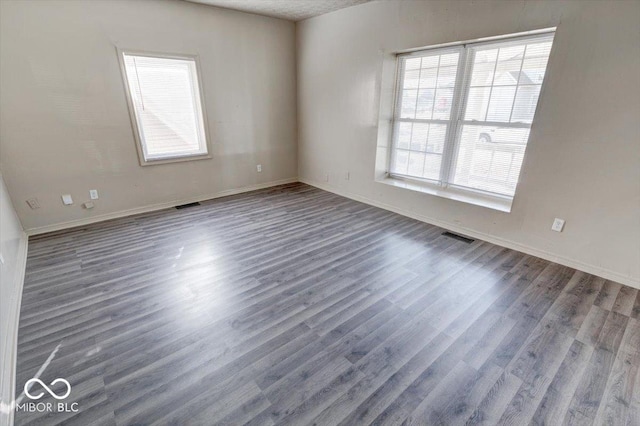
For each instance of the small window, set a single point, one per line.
(165, 102)
(463, 113)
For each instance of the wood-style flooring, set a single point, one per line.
(292, 305)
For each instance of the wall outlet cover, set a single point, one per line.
(67, 200)
(558, 224)
(33, 203)
(93, 194)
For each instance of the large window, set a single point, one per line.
(463, 113)
(166, 106)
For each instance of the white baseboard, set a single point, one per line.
(153, 207)
(572, 263)
(8, 375)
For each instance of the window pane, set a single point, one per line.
(508, 66)
(427, 86)
(404, 135)
(432, 166)
(419, 148)
(419, 137)
(442, 104)
(166, 100)
(416, 164)
(447, 76)
(411, 79)
(490, 158)
(412, 63)
(500, 103)
(477, 103)
(428, 78)
(430, 61)
(535, 62)
(424, 107)
(510, 94)
(525, 104)
(484, 65)
(401, 161)
(437, 133)
(449, 59)
(408, 107)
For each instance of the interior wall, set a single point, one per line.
(64, 123)
(583, 159)
(13, 248)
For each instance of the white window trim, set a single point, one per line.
(443, 187)
(132, 113)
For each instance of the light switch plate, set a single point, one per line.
(67, 200)
(558, 224)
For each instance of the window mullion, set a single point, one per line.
(396, 114)
(457, 108)
(515, 95)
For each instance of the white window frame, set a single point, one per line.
(444, 186)
(134, 119)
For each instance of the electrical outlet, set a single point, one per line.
(326, 177)
(93, 193)
(33, 203)
(259, 168)
(347, 176)
(558, 224)
(67, 200)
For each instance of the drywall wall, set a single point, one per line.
(64, 123)
(13, 248)
(583, 159)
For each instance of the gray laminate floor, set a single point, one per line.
(296, 306)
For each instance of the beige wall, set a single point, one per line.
(13, 247)
(65, 126)
(583, 159)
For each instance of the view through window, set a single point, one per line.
(164, 94)
(463, 113)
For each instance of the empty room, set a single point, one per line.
(320, 212)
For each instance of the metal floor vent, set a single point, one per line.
(458, 237)
(184, 206)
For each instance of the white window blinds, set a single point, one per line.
(425, 105)
(165, 97)
(463, 115)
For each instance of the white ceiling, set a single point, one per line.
(293, 10)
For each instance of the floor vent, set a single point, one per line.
(184, 206)
(458, 237)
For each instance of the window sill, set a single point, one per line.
(463, 196)
(173, 159)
